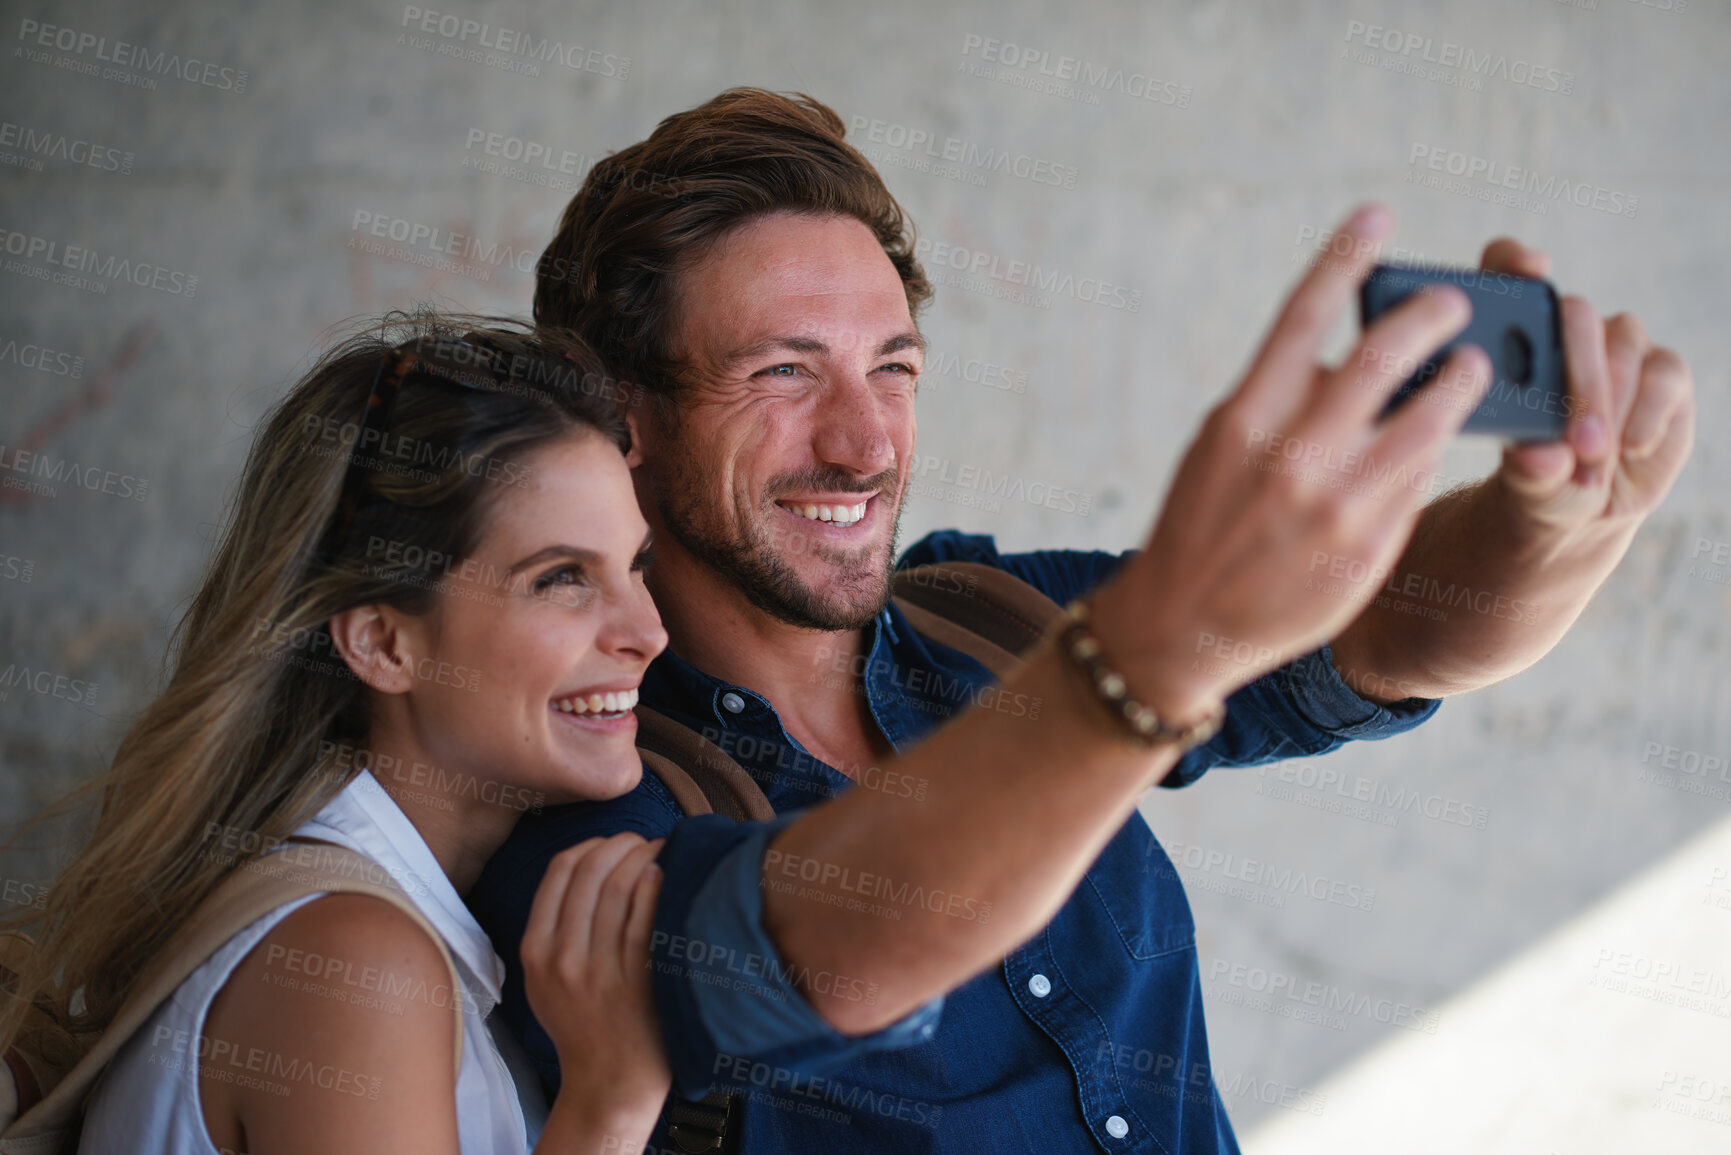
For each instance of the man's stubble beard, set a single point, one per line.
(749, 563)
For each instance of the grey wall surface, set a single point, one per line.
(1267, 122)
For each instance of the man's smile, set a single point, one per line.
(844, 511)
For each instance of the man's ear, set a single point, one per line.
(376, 642)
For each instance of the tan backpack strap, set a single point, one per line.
(703, 780)
(302, 867)
(45, 1046)
(679, 784)
(723, 782)
(942, 630)
(989, 614)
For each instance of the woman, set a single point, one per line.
(419, 623)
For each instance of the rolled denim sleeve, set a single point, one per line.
(1323, 696)
(726, 997)
(1301, 710)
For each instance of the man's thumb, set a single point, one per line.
(1538, 470)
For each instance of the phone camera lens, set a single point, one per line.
(1517, 357)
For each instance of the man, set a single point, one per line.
(750, 270)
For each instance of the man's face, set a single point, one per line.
(784, 464)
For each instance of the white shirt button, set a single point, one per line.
(1116, 1127)
(1040, 986)
(732, 702)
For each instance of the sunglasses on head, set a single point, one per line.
(469, 363)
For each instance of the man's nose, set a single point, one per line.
(855, 429)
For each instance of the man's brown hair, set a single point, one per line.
(645, 211)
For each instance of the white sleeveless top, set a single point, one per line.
(148, 1099)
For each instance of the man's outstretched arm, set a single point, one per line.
(1513, 560)
(1017, 810)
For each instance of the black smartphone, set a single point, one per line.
(1516, 320)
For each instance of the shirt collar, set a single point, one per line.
(673, 682)
(895, 661)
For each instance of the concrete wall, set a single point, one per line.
(1266, 122)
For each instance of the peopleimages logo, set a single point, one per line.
(1278, 988)
(1037, 69)
(1283, 879)
(927, 146)
(47, 684)
(32, 146)
(35, 37)
(38, 474)
(432, 246)
(1328, 788)
(80, 259)
(1526, 188)
(989, 270)
(1413, 47)
(929, 468)
(973, 370)
(41, 358)
(508, 48)
(529, 162)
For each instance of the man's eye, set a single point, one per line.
(642, 561)
(781, 371)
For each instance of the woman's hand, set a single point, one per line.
(586, 969)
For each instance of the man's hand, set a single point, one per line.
(1544, 532)
(1295, 465)
(1631, 427)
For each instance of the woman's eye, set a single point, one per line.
(565, 575)
(566, 586)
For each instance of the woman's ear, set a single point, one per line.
(635, 457)
(374, 640)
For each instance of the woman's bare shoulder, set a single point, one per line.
(336, 1026)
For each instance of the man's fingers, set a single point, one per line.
(1663, 389)
(1654, 472)
(1589, 388)
(1626, 348)
(1507, 255)
(1390, 351)
(1288, 354)
(1425, 422)
(1664, 386)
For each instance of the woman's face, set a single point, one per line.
(527, 667)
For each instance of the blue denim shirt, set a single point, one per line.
(1088, 1037)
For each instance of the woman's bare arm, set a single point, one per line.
(291, 1065)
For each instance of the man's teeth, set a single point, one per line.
(834, 514)
(615, 703)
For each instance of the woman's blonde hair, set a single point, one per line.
(236, 751)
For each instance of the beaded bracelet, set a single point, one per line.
(1143, 726)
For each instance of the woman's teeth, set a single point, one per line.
(615, 703)
(834, 514)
